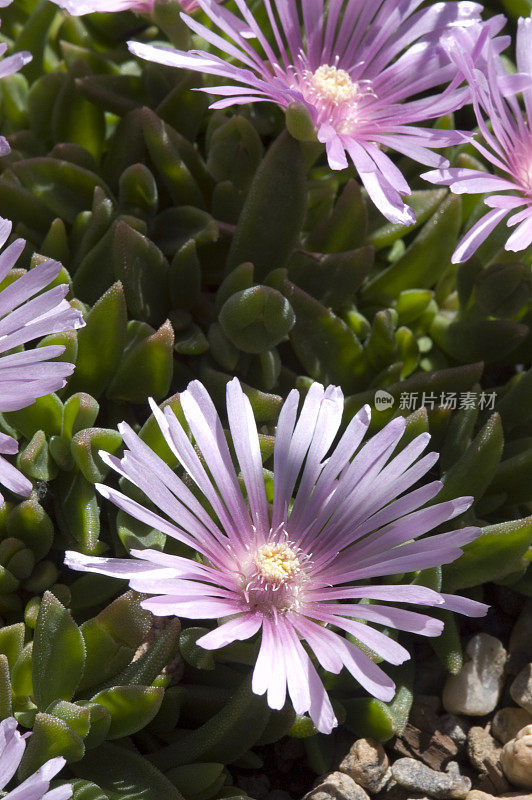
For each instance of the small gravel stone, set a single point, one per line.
(482, 750)
(507, 723)
(475, 794)
(337, 786)
(368, 765)
(484, 755)
(516, 759)
(476, 689)
(419, 778)
(521, 689)
(392, 791)
(453, 768)
(454, 727)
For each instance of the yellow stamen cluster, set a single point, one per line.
(333, 85)
(277, 563)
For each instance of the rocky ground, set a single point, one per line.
(469, 736)
(470, 741)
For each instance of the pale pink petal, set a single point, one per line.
(521, 238)
(236, 630)
(478, 234)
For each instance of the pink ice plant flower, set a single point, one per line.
(293, 570)
(8, 66)
(359, 68)
(37, 786)
(80, 7)
(507, 145)
(27, 313)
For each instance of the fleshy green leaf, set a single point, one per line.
(131, 707)
(274, 210)
(496, 553)
(58, 654)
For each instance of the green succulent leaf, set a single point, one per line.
(496, 553)
(78, 512)
(12, 642)
(101, 343)
(125, 774)
(256, 319)
(193, 654)
(77, 717)
(143, 271)
(30, 523)
(474, 470)
(35, 460)
(80, 411)
(423, 203)
(75, 119)
(146, 368)
(345, 229)
(274, 211)
(226, 736)
(130, 707)
(58, 654)
(6, 706)
(427, 256)
(145, 669)
(51, 737)
(45, 414)
(85, 446)
(66, 189)
(86, 790)
(235, 152)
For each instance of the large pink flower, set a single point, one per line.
(365, 72)
(507, 145)
(287, 568)
(27, 313)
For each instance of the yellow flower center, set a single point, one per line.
(276, 563)
(333, 85)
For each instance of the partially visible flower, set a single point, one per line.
(27, 313)
(8, 66)
(80, 7)
(293, 571)
(364, 71)
(37, 786)
(507, 145)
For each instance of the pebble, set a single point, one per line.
(507, 723)
(516, 759)
(521, 689)
(392, 791)
(367, 764)
(417, 777)
(337, 786)
(476, 689)
(482, 750)
(484, 755)
(454, 727)
(475, 794)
